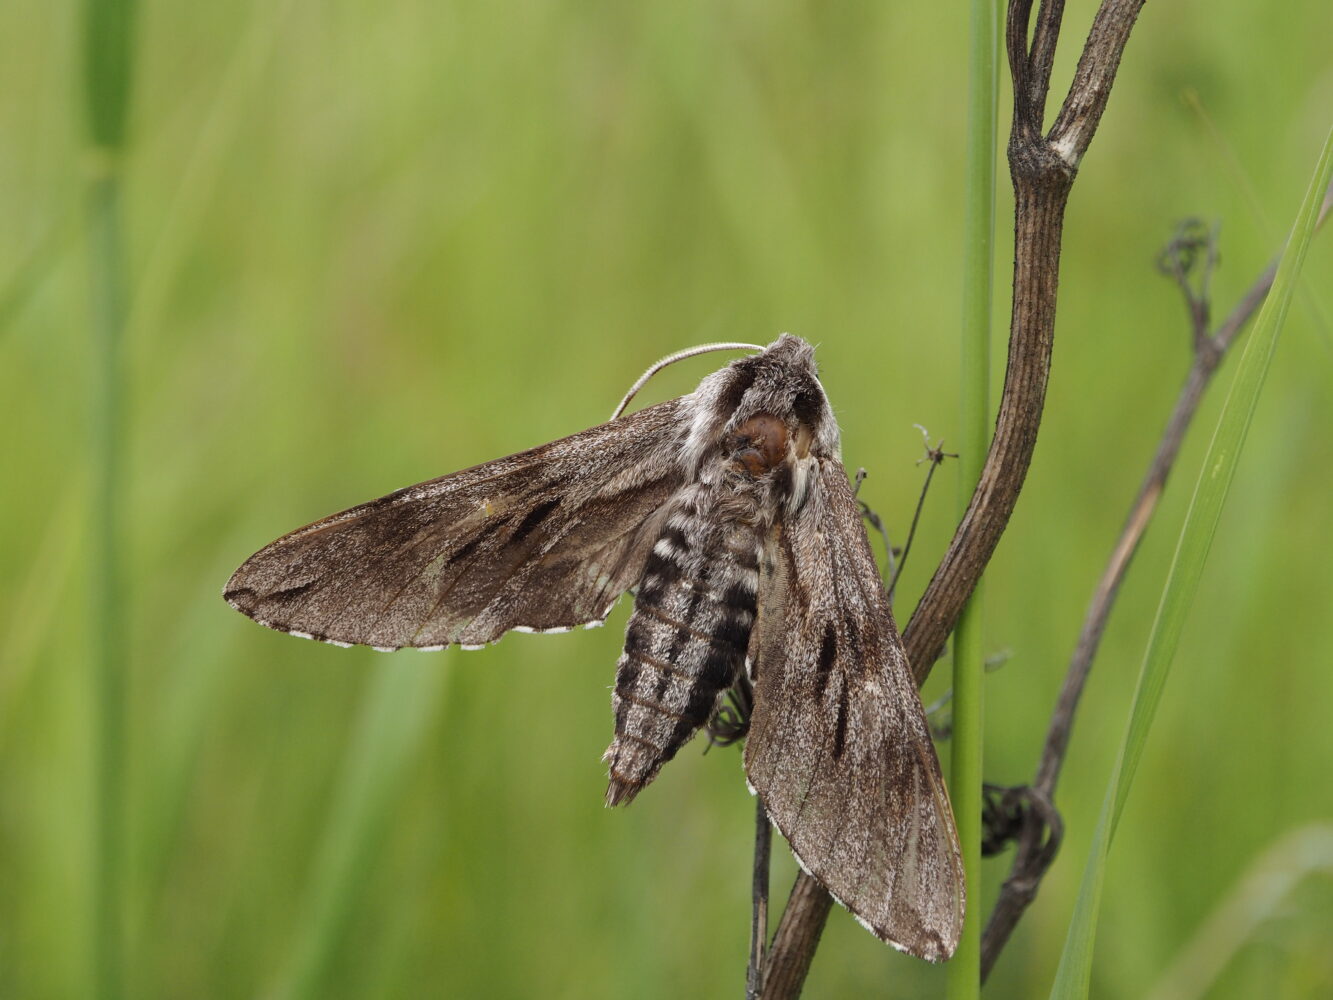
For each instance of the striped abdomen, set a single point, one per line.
(686, 640)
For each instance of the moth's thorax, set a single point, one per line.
(773, 401)
(758, 445)
(769, 461)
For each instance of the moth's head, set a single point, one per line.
(765, 410)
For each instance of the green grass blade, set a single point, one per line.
(964, 975)
(1074, 975)
(107, 62)
(22, 284)
(108, 55)
(110, 657)
(404, 696)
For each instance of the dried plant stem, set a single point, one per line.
(797, 938)
(1035, 852)
(935, 457)
(1043, 170)
(763, 842)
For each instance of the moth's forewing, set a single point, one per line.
(545, 539)
(838, 748)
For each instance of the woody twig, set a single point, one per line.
(1043, 168)
(1188, 259)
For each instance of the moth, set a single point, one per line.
(728, 514)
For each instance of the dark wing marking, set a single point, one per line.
(545, 539)
(838, 748)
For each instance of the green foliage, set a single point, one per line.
(368, 244)
(393, 721)
(1182, 582)
(107, 28)
(108, 52)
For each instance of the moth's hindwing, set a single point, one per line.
(545, 539)
(838, 748)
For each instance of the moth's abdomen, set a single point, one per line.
(686, 640)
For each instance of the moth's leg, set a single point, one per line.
(731, 721)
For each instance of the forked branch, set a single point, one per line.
(1043, 170)
(1037, 837)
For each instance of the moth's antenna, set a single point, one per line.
(671, 359)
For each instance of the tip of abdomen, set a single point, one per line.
(630, 769)
(621, 792)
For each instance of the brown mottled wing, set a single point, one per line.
(838, 748)
(543, 540)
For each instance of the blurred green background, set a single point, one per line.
(369, 244)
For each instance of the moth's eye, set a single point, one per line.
(759, 444)
(807, 408)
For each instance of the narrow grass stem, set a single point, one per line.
(964, 978)
(108, 655)
(107, 62)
